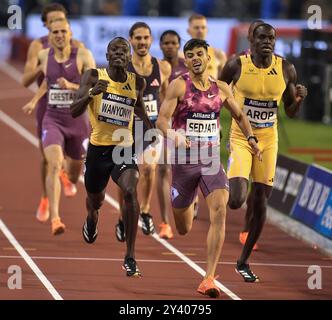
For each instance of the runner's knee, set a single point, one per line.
(94, 203)
(129, 193)
(236, 200)
(54, 167)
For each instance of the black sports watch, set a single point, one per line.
(252, 137)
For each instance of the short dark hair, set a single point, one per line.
(196, 16)
(137, 25)
(265, 25)
(118, 39)
(195, 43)
(172, 32)
(52, 7)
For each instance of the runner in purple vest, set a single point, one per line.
(33, 72)
(62, 135)
(194, 101)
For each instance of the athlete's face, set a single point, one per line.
(54, 16)
(196, 60)
(141, 41)
(264, 40)
(118, 54)
(198, 29)
(60, 34)
(170, 46)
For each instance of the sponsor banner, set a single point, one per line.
(288, 179)
(313, 205)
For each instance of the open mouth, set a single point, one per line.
(197, 65)
(118, 60)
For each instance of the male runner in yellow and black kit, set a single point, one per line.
(260, 80)
(112, 95)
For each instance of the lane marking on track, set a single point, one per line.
(8, 69)
(47, 284)
(277, 265)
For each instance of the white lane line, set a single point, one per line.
(14, 125)
(18, 128)
(277, 265)
(29, 261)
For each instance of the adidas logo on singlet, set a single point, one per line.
(154, 83)
(126, 87)
(272, 72)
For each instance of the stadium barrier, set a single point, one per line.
(304, 193)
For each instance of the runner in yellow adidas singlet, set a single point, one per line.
(112, 95)
(260, 81)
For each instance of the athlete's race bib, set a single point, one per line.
(261, 114)
(61, 98)
(151, 109)
(116, 110)
(202, 126)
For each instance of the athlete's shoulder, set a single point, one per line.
(165, 67)
(177, 87)
(78, 44)
(231, 69)
(224, 88)
(43, 53)
(36, 43)
(289, 71)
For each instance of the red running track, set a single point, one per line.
(65, 267)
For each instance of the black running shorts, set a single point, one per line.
(104, 161)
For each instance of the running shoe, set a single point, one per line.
(243, 270)
(243, 238)
(57, 226)
(147, 224)
(69, 188)
(120, 231)
(130, 266)
(165, 231)
(90, 231)
(43, 212)
(209, 288)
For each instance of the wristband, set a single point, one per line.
(252, 137)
